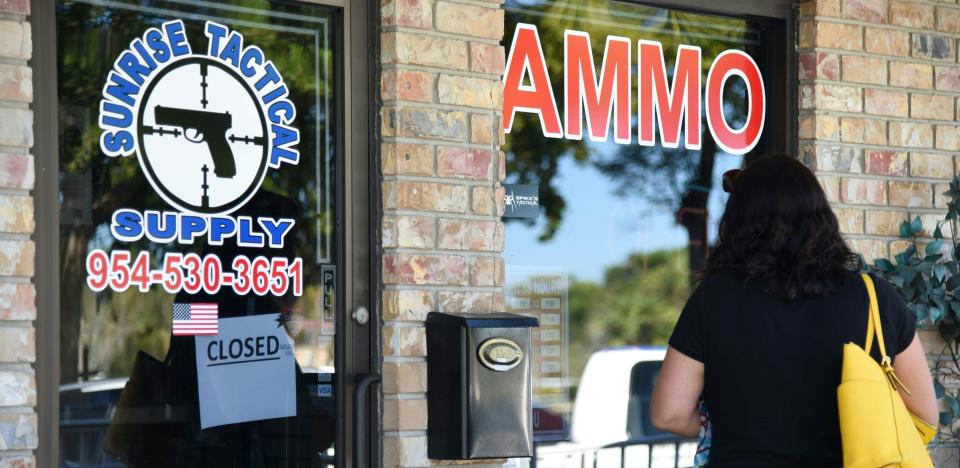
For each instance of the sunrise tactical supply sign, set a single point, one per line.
(206, 127)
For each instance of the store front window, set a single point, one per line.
(198, 233)
(645, 109)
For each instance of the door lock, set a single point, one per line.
(361, 315)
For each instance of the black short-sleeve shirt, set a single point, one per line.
(772, 367)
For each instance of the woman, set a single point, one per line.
(760, 340)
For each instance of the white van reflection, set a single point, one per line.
(85, 412)
(86, 409)
(611, 425)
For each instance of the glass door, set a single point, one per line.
(201, 245)
(630, 194)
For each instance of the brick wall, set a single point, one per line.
(879, 82)
(442, 236)
(18, 395)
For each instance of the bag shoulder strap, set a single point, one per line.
(874, 326)
(873, 320)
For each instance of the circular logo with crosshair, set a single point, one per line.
(202, 136)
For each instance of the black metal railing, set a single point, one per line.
(655, 451)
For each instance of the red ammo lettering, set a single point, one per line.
(527, 88)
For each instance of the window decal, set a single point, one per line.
(205, 128)
(527, 88)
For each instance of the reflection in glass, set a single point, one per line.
(112, 340)
(627, 225)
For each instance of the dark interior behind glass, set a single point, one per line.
(107, 336)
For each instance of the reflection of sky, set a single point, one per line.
(600, 229)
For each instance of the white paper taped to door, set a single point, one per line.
(246, 372)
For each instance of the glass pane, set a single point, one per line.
(623, 224)
(197, 239)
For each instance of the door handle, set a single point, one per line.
(363, 381)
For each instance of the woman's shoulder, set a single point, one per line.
(723, 281)
(720, 275)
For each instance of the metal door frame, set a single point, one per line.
(357, 346)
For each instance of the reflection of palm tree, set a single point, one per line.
(676, 179)
(636, 303)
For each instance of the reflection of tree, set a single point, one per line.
(89, 40)
(636, 304)
(676, 179)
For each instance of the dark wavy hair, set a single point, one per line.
(779, 232)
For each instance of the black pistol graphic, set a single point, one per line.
(209, 127)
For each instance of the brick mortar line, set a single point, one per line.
(20, 367)
(15, 192)
(441, 288)
(891, 238)
(401, 104)
(22, 453)
(25, 63)
(405, 396)
(13, 17)
(439, 143)
(440, 34)
(861, 175)
(882, 208)
(405, 359)
(405, 324)
(900, 209)
(832, 145)
(401, 434)
(443, 71)
(18, 150)
(925, 180)
(399, 355)
(882, 238)
(865, 146)
(16, 279)
(20, 105)
(391, 139)
(875, 237)
(854, 115)
(863, 86)
(25, 324)
(887, 26)
(898, 149)
(438, 215)
(441, 252)
(14, 236)
(440, 179)
(488, 5)
(874, 55)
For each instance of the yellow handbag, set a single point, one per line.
(876, 428)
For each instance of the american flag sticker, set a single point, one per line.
(194, 319)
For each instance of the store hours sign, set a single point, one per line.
(206, 127)
(603, 98)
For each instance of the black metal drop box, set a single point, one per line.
(478, 386)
